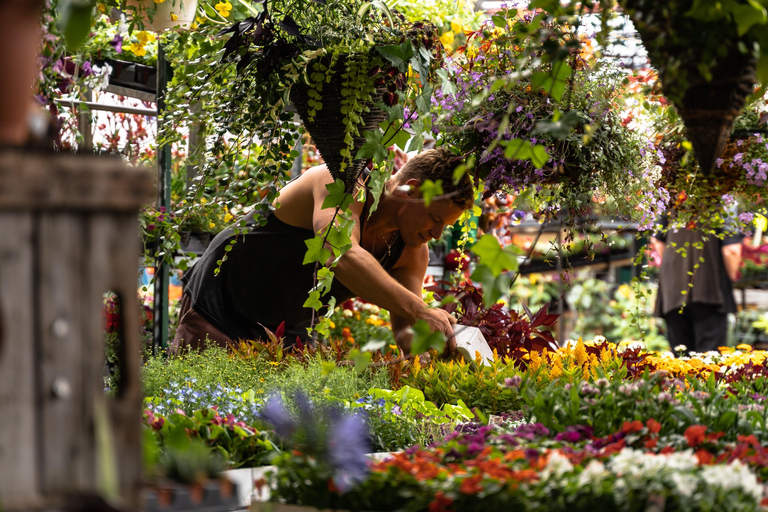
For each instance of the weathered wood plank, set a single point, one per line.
(64, 433)
(19, 482)
(75, 182)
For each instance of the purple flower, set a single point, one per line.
(513, 382)
(347, 449)
(275, 413)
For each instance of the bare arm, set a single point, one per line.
(732, 260)
(659, 247)
(362, 274)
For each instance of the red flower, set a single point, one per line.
(471, 485)
(695, 434)
(666, 450)
(651, 443)
(441, 504)
(654, 427)
(630, 427)
(704, 457)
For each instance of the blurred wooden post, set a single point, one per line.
(69, 234)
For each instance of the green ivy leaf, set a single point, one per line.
(340, 237)
(553, 82)
(394, 133)
(491, 254)
(430, 189)
(746, 16)
(560, 126)
(313, 301)
(373, 148)
(447, 85)
(324, 280)
(316, 251)
(518, 149)
(424, 339)
(376, 181)
(337, 196)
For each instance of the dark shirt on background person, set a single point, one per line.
(701, 325)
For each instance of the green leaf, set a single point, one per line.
(340, 237)
(430, 189)
(499, 20)
(324, 280)
(424, 101)
(75, 23)
(553, 82)
(316, 251)
(337, 196)
(560, 126)
(490, 253)
(746, 16)
(373, 148)
(762, 68)
(398, 55)
(376, 181)
(447, 85)
(313, 301)
(361, 359)
(424, 339)
(494, 287)
(394, 133)
(518, 149)
(539, 156)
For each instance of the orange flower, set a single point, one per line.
(514, 455)
(442, 503)
(630, 427)
(695, 434)
(346, 332)
(525, 475)
(654, 427)
(471, 485)
(704, 456)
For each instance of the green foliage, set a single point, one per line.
(462, 383)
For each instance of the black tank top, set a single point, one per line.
(263, 282)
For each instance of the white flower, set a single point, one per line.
(557, 466)
(593, 473)
(733, 476)
(347, 313)
(685, 484)
(680, 348)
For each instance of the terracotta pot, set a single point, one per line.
(20, 36)
(185, 11)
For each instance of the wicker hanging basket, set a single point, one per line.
(327, 126)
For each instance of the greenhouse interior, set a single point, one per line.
(517, 255)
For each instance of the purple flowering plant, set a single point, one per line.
(548, 127)
(324, 447)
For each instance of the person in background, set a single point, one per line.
(263, 283)
(696, 317)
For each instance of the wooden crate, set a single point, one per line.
(68, 233)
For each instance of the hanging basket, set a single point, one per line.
(677, 45)
(710, 108)
(327, 126)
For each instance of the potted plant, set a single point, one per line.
(344, 66)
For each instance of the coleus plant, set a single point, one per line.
(508, 332)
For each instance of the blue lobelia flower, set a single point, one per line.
(347, 448)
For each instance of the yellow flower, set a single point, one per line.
(228, 217)
(744, 347)
(223, 8)
(331, 324)
(102, 7)
(144, 37)
(416, 366)
(447, 38)
(456, 26)
(605, 356)
(159, 1)
(580, 352)
(211, 225)
(174, 17)
(136, 49)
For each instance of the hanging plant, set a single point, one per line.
(709, 58)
